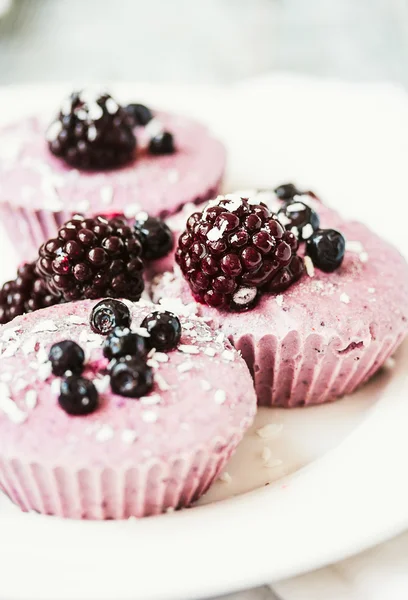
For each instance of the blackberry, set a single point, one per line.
(26, 293)
(92, 132)
(287, 191)
(156, 237)
(300, 219)
(231, 245)
(67, 356)
(122, 342)
(162, 143)
(139, 113)
(132, 378)
(78, 396)
(93, 258)
(164, 329)
(108, 314)
(326, 248)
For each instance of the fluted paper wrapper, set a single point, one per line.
(91, 493)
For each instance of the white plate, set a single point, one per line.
(340, 486)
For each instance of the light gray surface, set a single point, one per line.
(202, 40)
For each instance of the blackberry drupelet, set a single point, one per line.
(92, 132)
(300, 219)
(234, 244)
(123, 342)
(66, 356)
(131, 377)
(108, 314)
(326, 248)
(93, 258)
(162, 143)
(155, 236)
(24, 294)
(78, 396)
(164, 330)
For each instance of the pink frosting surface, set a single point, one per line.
(325, 323)
(203, 392)
(31, 177)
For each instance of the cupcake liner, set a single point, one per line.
(27, 229)
(290, 373)
(139, 491)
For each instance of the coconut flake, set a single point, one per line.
(266, 454)
(220, 397)
(44, 371)
(344, 298)
(104, 434)
(106, 193)
(210, 351)
(31, 399)
(228, 355)
(225, 477)
(206, 385)
(131, 210)
(29, 345)
(102, 384)
(44, 325)
(128, 436)
(354, 246)
(309, 266)
(150, 400)
(11, 410)
(188, 349)
(161, 357)
(184, 367)
(363, 257)
(161, 382)
(269, 431)
(149, 416)
(10, 350)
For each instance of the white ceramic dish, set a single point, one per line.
(336, 473)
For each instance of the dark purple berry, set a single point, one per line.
(108, 314)
(123, 342)
(131, 377)
(155, 236)
(232, 250)
(162, 143)
(326, 248)
(92, 258)
(300, 219)
(139, 113)
(287, 191)
(92, 132)
(24, 294)
(164, 329)
(78, 396)
(66, 356)
(244, 298)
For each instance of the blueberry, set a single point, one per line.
(66, 356)
(300, 219)
(244, 298)
(78, 396)
(139, 113)
(131, 377)
(287, 191)
(164, 329)
(155, 236)
(123, 342)
(326, 248)
(162, 143)
(108, 314)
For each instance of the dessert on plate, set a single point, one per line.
(309, 298)
(111, 409)
(99, 158)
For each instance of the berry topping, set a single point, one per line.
(132, 378)
(155, 236)
(92, 132)
(287, 191)
(93, 258)
(164, 329)
(244, 298)
(139, 113)
(24, 294)
(300, 219)
(78, 396)
(326, 248)
(122, 342)
(66, 356)
(162, 143)
(234, 244)
(108, 314)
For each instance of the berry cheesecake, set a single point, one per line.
(308, 298)
(98, 157)
(111, 409)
